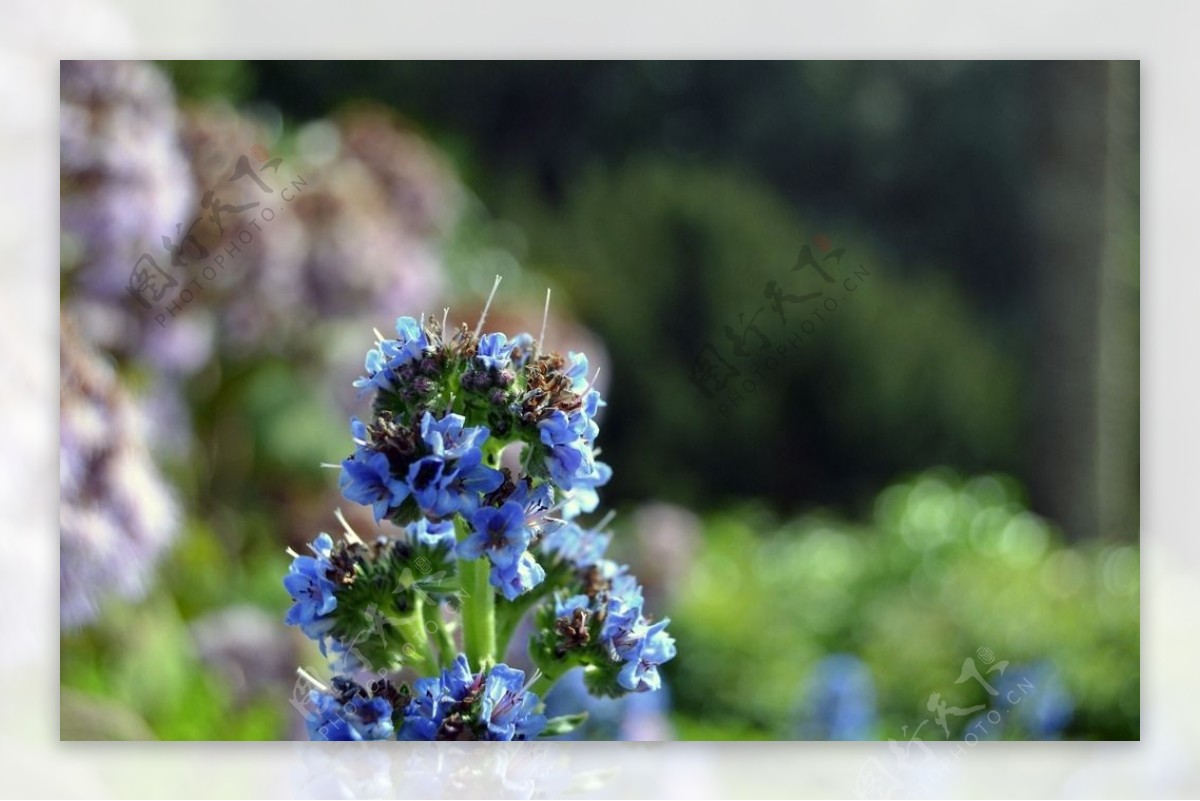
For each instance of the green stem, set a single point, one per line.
(478, 607)
(509, 616)
(412, 626)
(446, 648)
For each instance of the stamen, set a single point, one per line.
(379, 338)
(586, 389)
(545, 317)
(334, 466)
(537, 674)
(292, 553)
(304, 674)
(351, 536)
(488, 305)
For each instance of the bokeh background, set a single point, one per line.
(941, 471)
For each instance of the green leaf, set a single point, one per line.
(563, 724)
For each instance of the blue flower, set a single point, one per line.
(576, 545)
(447, 437)
(577, 370)
(367, 479)
(357, 718)
(565, 605)
(423, 715)
(491, 706)
(535, 501)
(382, 361)
(518, 578)
(457, 679)
(568, 454)
(839, 700)
(313, 594)
(522, 345)
(640, 673)
(462, 489)
(409, 345)
(1040, 702)
(509, 711)
(583, 498)
(424, 532)
(500, 533)
(428, 478)
(378, 376)
(494, 351)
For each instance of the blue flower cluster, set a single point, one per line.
(569, 437)
(459, 705)
(444, 474)
(577, 546)
(446, 407)
(624, 635)
(605, 621)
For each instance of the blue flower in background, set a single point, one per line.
(500, 533)
(313, 594)
(494, 351)
(839, 702)
(579, 546)
(1036, 698)
(584, 498)
(367, 479)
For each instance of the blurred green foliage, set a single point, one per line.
(137, 674)
(660, 258)
(943, 568)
